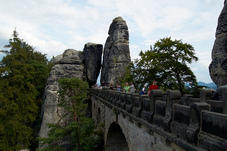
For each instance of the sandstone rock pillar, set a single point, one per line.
(92, 55)
(116, 55)
(218, 66)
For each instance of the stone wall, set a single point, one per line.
(162, 121)
(138, 137)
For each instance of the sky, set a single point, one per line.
(52, 26)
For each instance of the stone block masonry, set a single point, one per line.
(170, 126)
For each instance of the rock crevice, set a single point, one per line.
(92, 55)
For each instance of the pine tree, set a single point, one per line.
(23, 74)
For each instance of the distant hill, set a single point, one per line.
(211, 85)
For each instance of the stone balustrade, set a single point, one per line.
(213, 133)
(189, 123)
(181, 120)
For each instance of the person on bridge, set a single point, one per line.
(153, 86)
(143, 91)
(118, 87)
(126, 87)
(132, 88)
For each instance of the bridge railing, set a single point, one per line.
(213, 132)
(191, 122)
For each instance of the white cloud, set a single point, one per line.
(134, 51)
(54, 25)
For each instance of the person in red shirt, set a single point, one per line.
(153, 86)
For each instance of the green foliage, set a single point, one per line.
(166, 63)
(74, 128)
(127, 77)
(23, 74)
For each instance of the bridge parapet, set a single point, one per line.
(190, 125)
(138, 107)
(213, 134)
(181, 120)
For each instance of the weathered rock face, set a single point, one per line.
(218, 66)
(56, 59)
(116, 55)
(92, 55)
(69, 66)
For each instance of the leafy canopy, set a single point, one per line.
(167, 62)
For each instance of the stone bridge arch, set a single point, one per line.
(116, 140)
(117, 124)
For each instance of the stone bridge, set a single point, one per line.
(165, 121)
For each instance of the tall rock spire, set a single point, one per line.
(116, 56)
(218, 66)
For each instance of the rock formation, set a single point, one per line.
(57, 58)
(116, 55)
(71, 64)
(68, 67)
(92, 54)
(218, 66)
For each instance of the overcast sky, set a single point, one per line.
(52, 26)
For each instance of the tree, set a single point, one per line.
(23, 74)
(167, 62)
(73, 128)
(127, 76)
